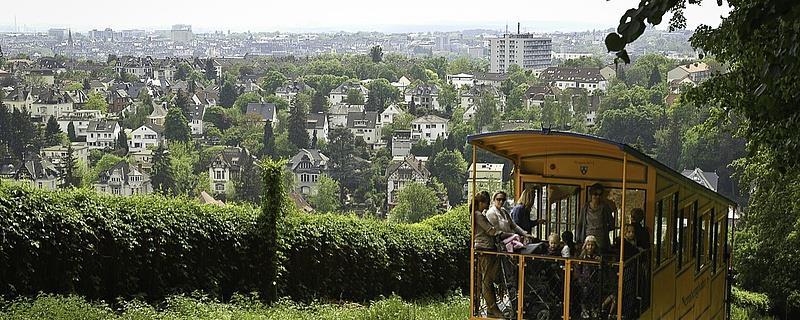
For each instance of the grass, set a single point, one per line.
(58, 307)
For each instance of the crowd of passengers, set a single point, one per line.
(497, 229)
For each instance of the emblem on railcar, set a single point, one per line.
(584, 169)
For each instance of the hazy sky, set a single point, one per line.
(326, 15)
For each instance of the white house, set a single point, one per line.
(125, 180)
(589, 79)
(696, 72)
(488, 176)
(226, 167)
(429, 127)
(364, 125)
(263, 111)
(339, 95)
(424, 96)
(102, 134)
(20, 99)
(306, 166)
(401, 84)
(39, 172)
(51, 103)
(148, 136)
(537, 94)
(290, 90)
(317, 126)
(80, 121)
(388, 114)
(56, 154)
(461, 80)
(196, 113)
(403, 172)
(337, 113)
(159, 114)
(401, 143)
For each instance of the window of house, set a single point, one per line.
(219, 187)
(219, 175)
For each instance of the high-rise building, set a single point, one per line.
(182, 33)
(527, 50)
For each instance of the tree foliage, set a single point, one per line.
(176, 127)
(415, 202)
(327, 197)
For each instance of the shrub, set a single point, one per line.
(750, 305)
(150, 247)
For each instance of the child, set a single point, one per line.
(554, 245)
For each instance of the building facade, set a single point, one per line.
(526, 50)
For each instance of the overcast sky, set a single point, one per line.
(327, 15)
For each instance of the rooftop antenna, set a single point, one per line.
(518, 24)
(506, 27)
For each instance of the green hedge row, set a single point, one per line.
(150, 247)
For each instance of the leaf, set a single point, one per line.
(614, 42)
(623, 55)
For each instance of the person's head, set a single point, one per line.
(567, 237)
(553, 240)
(499, 199)
(480, 202)
(596, 193)
(637, 216)
(630, 232)
(527, 198)
(589, 245)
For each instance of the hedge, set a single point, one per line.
(150, 247)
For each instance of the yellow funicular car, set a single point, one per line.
(681, 273)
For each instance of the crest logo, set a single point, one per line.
(584, 169)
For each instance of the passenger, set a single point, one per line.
(569, 249)
(642, 232)
(596, 219)
(521, 213)
(488, 264)
(590, 250)
(631, 247)
(498, 217)
(553, 245)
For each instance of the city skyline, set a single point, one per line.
(348, 16)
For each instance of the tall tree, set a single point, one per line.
(182, 102)
(448, 98)
(449, 168)
(71, 132)
(176, 127)
(248, 185)
(655, 78)
(347, 165)
(381, 95)
(161, 177)
(486, 110)
(354, 97)
(69, 175)
(376, 53)
(96, 101)
(415, 202)
(52, 133)
(210, 70)
(272, 81)
(327, 197)
(297, 124)
(228, 94)
(269, 141)
(122, 141)
(86, 84)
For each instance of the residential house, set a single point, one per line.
(364, 125)
(488, 176)
(388, 114)
(429, 127)
(469, 99)
(57, 154)
(148, 136)
(290, 90)
(337, 113)
(20, 99)
(80, 121)
(317, 126)
(461, 80)
(139, 67)
(124, 179)
(403, 172)
(537, 94)
(39, 172)
(143, 160)
(709, 180)
(102, 134)
(306, 166)
(79, 99)
(118, 100)
(401, 84)
(589, 79)
(263, 111)
(226, 167)
(610, 71)
(697, 72)
(401, 143)
(424, 96)
(51, 103)
(339, 95)
(159, 114)
(44, 77)
(196, 113)
(490, 79)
